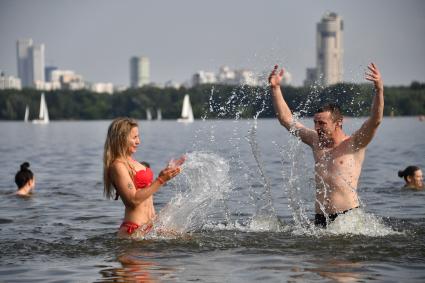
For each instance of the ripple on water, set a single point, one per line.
(5, 221)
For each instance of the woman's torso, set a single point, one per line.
(142, 177)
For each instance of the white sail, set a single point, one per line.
(187, 113)
(148, 114)
(43, 117)
(158, 114)
(27, 114)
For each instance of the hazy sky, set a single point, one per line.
(97, 38)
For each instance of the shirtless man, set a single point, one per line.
(338, 157)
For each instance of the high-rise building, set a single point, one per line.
(30, 60)
(37, 60)
(329, 49)
(139, 71)
(23, 56)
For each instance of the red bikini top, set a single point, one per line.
(143, 178)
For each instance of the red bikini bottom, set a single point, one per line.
(131, 227)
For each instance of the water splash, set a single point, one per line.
(204, 184)
(298, 185)
(358, 222)
(265, 218)
(355, 222)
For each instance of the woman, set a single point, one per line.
(413, 177)
(25, 180)
(131, 180)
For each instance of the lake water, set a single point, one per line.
(245, 197)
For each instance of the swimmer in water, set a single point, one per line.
(131, 180)
(413, 177)
(25, 180)
(338, 157)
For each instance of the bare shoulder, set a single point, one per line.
(21, 194)
(308, 136)
(351, 146)
(118, 166)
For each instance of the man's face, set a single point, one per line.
(324, 125)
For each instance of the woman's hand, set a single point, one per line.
(168, 173)
(176, 163)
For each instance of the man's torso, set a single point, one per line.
(337, 171)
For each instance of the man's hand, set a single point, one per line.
(363, 136)
(374, 76)
(275, 77)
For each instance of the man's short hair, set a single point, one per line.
(334, 109)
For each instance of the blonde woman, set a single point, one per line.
(130, 180)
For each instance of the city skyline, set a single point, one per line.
(97, 40)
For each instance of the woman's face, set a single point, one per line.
(32, 183)
(417, 180)
(133, 140)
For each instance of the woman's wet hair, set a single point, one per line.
(409, 171)
(24, 175)
(116, 146)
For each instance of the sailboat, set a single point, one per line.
(148, 114)
(187, 113)
(158, 114)
(27, 114)
(43, 117)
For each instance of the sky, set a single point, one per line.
(97, 38)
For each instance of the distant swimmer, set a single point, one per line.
(131, 180)
(413, 177)
(25, 180)
(338, 157)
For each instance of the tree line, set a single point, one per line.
(209, 101)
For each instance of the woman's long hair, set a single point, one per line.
(116, 146)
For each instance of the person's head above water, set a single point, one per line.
(24, 179)
(333, 109)
(413, 177)
(327, 120)
(122, 140)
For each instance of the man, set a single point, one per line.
(338, 157)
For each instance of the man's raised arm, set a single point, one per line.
(365, 134)
(283, 113)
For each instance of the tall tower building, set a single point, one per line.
(23, 56)
(330, 49)
(139, 71)
(37, 60)
(30, 60)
